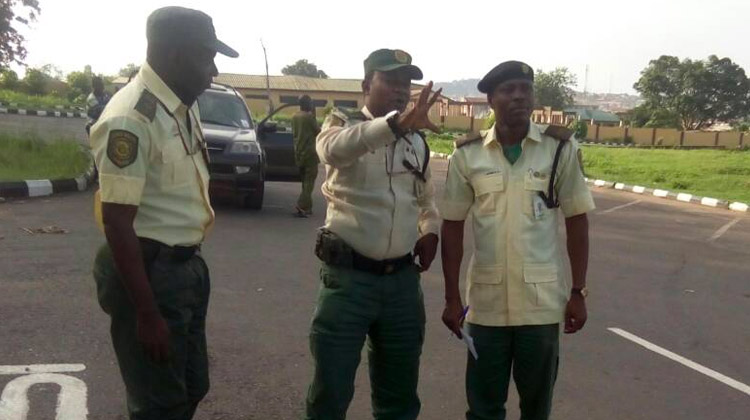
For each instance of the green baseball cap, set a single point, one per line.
(389, 60)
(175, 25)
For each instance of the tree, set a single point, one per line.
(580, 129)
(304, 68)
(128, 70)
(80, 84)
(9, 79)
(12, 49)
(35, 82)
(554, 88)
(695, 94)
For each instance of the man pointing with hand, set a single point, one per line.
(380, 233)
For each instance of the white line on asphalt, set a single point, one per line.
(632, 203)
(722, 230)
(71, 401)
(29, 369)
(683, 361)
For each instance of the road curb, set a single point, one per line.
(45, 187)
(669, 195)
(9, 108)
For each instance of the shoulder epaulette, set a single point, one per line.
(468, 138)
(146, 105)
(348, 114)
(559, 132)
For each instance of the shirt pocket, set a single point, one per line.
(176, 167)
(487, 190)
(486, 292)
(533, 186)
(543, 285)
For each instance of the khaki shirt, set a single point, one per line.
(517, 275)
(375, 204)
(304, 130)
(149, 159)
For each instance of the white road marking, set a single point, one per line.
(632, 203)
(660, 193)
(72, 400)
(638, 189)
(28, 369)
(683, 361)
(722, 230)
(619, 186)
(711, 202)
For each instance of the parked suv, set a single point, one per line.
(243, 155)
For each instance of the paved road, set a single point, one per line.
(663, 271)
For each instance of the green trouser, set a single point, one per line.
(352, 305)
(170, 390)
(531, 351)
(308, 173)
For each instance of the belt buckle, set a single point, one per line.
(389, 268)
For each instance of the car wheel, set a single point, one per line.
(254, 201)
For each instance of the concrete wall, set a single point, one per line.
(667, 136)
(45, 128)
(699, 138)
(641, 136)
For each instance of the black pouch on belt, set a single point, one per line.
(332, 250)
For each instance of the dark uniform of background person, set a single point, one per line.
(380, 210)
(305, 129)
(96, 101)
(518, 287)
(155, 212)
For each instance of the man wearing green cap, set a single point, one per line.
(512, 179)
(154, 209)
(380, 233)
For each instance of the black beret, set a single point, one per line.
(508, 70)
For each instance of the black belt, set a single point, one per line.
(153, 249)
(380, 267)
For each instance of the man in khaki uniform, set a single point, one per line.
(155, 211)
(518, 291)
(380, 210)
(305, 129)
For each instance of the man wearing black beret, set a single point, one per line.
(512, 179)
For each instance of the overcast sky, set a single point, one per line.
(449, 40)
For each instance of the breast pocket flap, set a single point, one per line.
(540, 273)
(488, 183)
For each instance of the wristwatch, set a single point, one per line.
(392, 119)
(581, 291)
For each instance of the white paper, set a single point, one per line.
(469, 342)
(539, 206)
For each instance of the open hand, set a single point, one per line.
(416, 118)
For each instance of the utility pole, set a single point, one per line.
(268, 79)
(586, 82)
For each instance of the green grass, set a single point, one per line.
(441, 143)
(31, 158)
(32, 101)
(721, 174)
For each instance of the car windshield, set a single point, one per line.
(223, 109)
